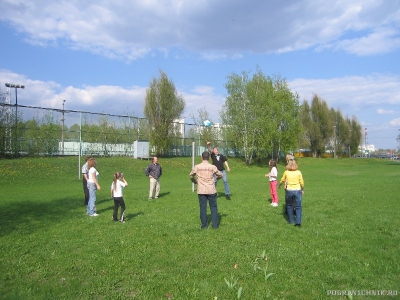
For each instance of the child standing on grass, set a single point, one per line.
(273, 174)
(117, 194)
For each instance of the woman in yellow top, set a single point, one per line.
(293, 179)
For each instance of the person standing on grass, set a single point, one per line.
(85, 172)
(273, 183)
(293, 179)
(117, 186)
(154, 172)
(219, 161)
(289, 158)
(206, 191)
(93, 185)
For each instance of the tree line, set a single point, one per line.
(261, 116)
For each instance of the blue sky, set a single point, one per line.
(101, 57)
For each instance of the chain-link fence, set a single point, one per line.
(28, 130)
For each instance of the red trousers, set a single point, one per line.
(274, 193)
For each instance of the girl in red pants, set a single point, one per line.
(273, 174)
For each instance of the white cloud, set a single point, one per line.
(203, 97)
(395, 122)
(351, 93)
(381, 111)
(110, 99)
(382, 40)
(129, 30)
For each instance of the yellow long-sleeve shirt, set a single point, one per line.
(294, 180)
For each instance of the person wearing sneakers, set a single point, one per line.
(154, 172)
(93, 185)
(293, 179)
(273, 183)
(117, 194)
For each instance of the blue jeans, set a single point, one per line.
(212, 200)
(91, 208)
(225, 180)
(296, 196)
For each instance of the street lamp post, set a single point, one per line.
(16, 86)
(62, 133)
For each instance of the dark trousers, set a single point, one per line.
(119, 201)
(85, 191)
(212, 201)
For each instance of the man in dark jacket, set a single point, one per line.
(154, 172)
(219, 161)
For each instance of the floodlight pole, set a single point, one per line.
(16, 86)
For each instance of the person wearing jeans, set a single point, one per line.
(203, 175)
(93, 185)
(293, 179)
(219, 161)
(294, 196)
(85, 172)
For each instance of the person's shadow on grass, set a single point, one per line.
(163, 194)
(134, 215)
(220, 218)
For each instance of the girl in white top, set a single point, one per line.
(273, 174)
(117, 194)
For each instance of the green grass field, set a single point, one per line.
(50, 249)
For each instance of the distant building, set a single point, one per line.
(179, 125)
(369, 148)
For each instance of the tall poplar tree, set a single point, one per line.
(162, 106)
(321, 127)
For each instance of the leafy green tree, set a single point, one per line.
(324, 128)
(321, 129)
(341, 134)
(162, 106)
(306, 125)
(236, 112)
(262, 114)
(108, 134)
(286, 117)
(31, 143)
(5, 124)
(355, 135)
(74, 132)
(48, 135)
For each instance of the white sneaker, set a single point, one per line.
(275, 204)
(94, 215)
